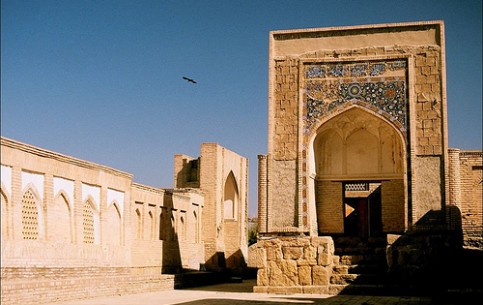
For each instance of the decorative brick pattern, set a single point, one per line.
(30, 216)
(88, 223)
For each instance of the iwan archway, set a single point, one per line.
(356, 165)
(357, 145)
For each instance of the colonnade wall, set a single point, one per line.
(66, 220)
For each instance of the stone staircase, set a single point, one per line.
(361, 267)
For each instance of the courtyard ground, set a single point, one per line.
(240, 294)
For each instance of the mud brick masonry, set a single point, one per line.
(75, 229)
(357, 148)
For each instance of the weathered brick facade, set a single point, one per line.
(386, 79)
(74, 229)
(222, 177)
(466, 176)
(357, 140)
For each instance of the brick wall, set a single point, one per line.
(413, 60)
(471, 197)
(330, 213)
(31, 285)
(393, 206)
(74, 229)
(217, 164)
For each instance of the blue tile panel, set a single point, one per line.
(372, 85)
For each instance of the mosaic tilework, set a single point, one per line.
(352, 69)
(329, 86)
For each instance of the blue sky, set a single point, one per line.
(102, 80)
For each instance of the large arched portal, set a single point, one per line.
(359, 182)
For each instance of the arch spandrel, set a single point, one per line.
(329, 88)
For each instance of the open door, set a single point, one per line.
(362, 209)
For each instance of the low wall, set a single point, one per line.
(289, 265)
(32, 285)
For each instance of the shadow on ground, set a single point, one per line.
(332, 300)
(244, 286)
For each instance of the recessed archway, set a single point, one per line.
(357, 145)
(230, 197)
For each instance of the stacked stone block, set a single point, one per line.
(295, 265)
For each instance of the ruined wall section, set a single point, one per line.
(225, 239)
(210, 173)
(186, 172)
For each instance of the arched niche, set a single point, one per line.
(356, 145)
(230, 197)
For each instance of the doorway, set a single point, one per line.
(362, 209)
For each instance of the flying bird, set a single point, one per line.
(189, 79)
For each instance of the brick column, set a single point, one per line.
(16, 204)
(454, 177)
(262, 193)
(77, 222)
(103, 230)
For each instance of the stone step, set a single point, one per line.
(360, 269)
(366, 279)
(373, 289)
(199, 278)
(351, 241)
(361, 251)
(361, 259)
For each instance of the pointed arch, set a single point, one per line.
(173, 231)
(150, 226)
(112, 233)
(357, 144)
(59, 219)
(338, 131)
(5, 191)
(90, 221)
(230, 197)
(162, 224)
(182, 229)
(31, 214)
(138, 224)
(5, 214)
(196, 226)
